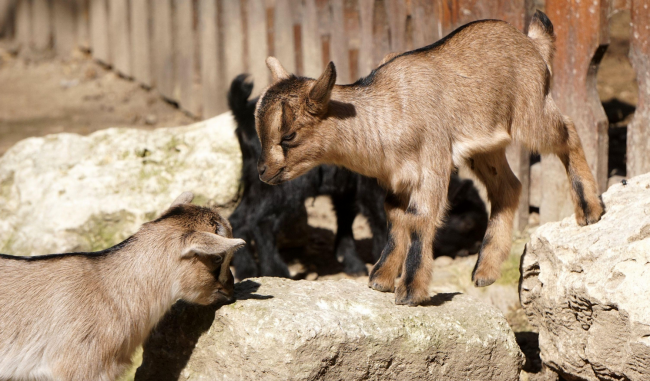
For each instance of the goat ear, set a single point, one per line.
(277, 71)
(203, 243)
(319, 95)
(184, 198)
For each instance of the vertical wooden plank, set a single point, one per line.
(140, 41)
(638, 131)
(582, 37)
(311, 40)
(425, 23)
(24, 23)
(257, 43)
(283, 35)
(163, 49)
(83, 24)
(42, 25)
(184, 55)
(120, 40)
(338, 42)
(380, 32)
(233, 41)
(7, 18)
(213, 94)
(397, 15)
(352, 19)
(365, 50)
(65, 23)
(99, 31)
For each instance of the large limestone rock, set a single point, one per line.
(587, 289)
(67, 192)
(280, 329)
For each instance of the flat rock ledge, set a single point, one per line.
(587, 289)
(280, 329)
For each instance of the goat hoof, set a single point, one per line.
(412, 299)
(483, 282)
(380, 287)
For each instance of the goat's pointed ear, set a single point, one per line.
(277, 71)
(203, 243)
(184, 198)
(319, 95)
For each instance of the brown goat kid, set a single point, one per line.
(460, 101)
(80, 316)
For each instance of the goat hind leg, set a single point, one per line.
(503, 189)
(587, 204)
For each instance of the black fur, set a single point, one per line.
(577, 186)
(413, 259)
(96, 254)
(267, 210)
(544, 21)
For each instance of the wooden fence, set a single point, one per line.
(190, 50)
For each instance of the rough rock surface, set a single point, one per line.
(67, 192)
(587, 289)
(280, 329)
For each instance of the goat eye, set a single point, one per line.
(288, 138)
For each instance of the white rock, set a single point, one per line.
(587, 289)
(280, 329)
(67, 192)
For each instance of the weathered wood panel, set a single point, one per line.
(184, 56)
(366, 63)
(65, 25)
(99, 36)
(213, 94)
(638, 131)
(283, 41)
(41, 25)
(339, 53)
(140, 19)
(352, 19)
(24, 23)
(582, 37)
(257, 43)
(426, 26)
(233, 41)
(83, 23)
(163, 49)
(118, 21)
(397, 17)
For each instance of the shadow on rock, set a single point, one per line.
(170, 345)
(440, 299)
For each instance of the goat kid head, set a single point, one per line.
(287, 118)
(205, 247)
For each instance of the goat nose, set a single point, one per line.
(261, 168)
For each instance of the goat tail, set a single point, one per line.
(240, 89)
(541, 33)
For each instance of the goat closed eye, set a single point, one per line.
(288, 138)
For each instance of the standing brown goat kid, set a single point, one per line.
(459, 101)
(80, 316)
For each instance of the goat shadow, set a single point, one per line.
(171, 343)
(440, 299)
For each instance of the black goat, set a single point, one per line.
(265, 210)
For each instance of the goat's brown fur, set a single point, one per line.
(81, 316)
(459, 101)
